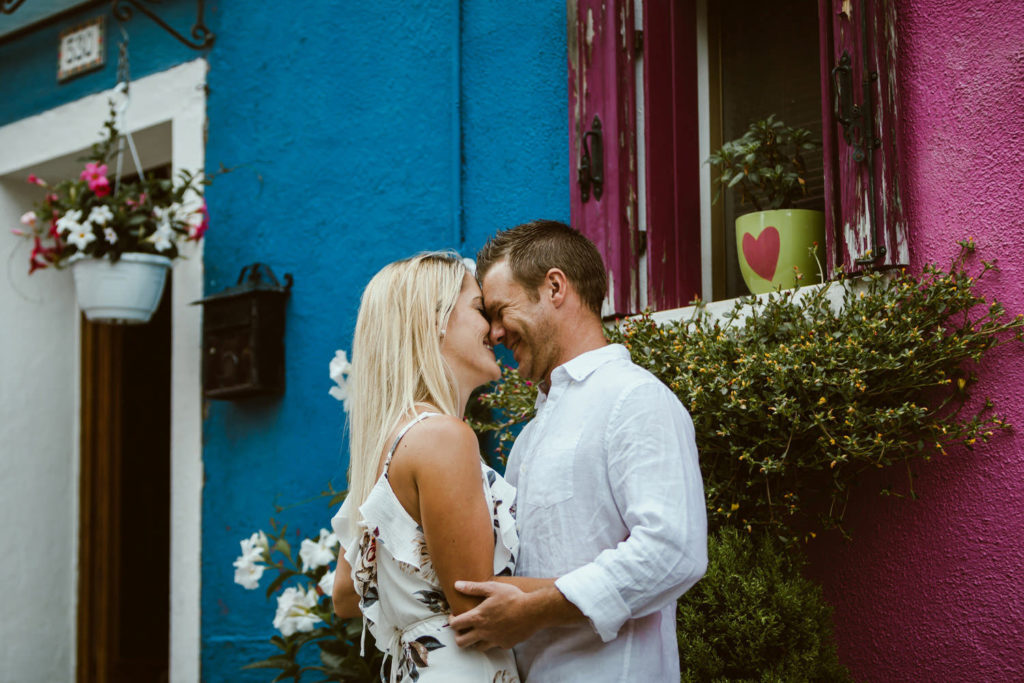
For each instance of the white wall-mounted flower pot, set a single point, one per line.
(126, 292)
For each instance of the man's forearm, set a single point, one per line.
(550, 608)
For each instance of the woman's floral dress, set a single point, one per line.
(402, 602)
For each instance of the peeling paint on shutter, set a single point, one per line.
(602, 84)
(864, 212)
(672, 153)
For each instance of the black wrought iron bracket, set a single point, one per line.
(202, 36)
(8, 6)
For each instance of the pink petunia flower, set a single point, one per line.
(96, 176)
(36, 180)
(93, 171)
(100, 186)
(41, 257)
(196, 231)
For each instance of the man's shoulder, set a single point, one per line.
(623, 376)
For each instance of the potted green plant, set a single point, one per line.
(774, 242)
(118, 238)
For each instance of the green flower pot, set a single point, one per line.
(773, 246)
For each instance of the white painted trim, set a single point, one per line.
(176, 97)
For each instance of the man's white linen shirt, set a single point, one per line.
(610, 501)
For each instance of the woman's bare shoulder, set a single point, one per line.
(442, 441)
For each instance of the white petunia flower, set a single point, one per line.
(29, 218)
(100, 215)
(257, 543)
(318, 553)
(294, 611)
(326, 583)
(70, 221)
(110, 235)
(82, 236)
(162, 238)
(248, 572)
(339, 369)
(249, 566)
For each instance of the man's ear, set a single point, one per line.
(556, 287)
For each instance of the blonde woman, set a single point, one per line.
(422, 510)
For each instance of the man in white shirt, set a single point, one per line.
(610, 498)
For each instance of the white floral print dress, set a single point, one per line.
(401, 598)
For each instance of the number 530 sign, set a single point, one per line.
(81, 49)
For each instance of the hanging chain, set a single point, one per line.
(124, 77)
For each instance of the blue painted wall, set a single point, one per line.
(359, 130)
(359, 133)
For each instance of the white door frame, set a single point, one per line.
(172, 105)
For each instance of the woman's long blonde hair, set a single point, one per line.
(396, 357)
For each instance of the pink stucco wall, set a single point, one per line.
(933, 590)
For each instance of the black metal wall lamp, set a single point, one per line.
(243, 336)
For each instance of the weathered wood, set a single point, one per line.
(859, 217)
(671, 153)
(99, 501)
(602, 83)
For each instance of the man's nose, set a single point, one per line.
(497, 333)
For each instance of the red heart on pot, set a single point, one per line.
(762, 254)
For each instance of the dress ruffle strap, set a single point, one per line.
(391, 526)
(501, 498)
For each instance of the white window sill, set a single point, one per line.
(722, 310)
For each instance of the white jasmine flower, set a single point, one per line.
(29, 218)
(318, 553)
(249, 566)
(82, 236)
(326, 583)
(100, 215)
(109, 235)
(294, 611)
(70, 221)
(339, 369)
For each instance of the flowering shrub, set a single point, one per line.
(91, 216)
(304, 612)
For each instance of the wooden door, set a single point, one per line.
(124, 535)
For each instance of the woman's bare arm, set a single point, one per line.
(527, 584)
(344, 596)
(441, 460)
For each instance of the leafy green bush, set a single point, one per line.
(753, 617)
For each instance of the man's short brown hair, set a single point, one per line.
(534, 248)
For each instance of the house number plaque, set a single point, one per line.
(81, 49)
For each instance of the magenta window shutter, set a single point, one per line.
(602, 96)
(672, 156)
(864, 216)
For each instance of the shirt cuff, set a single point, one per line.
(592, 591)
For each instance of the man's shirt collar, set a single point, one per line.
(583, 365)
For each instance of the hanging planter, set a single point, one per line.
(119, 238)
(126, 292)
